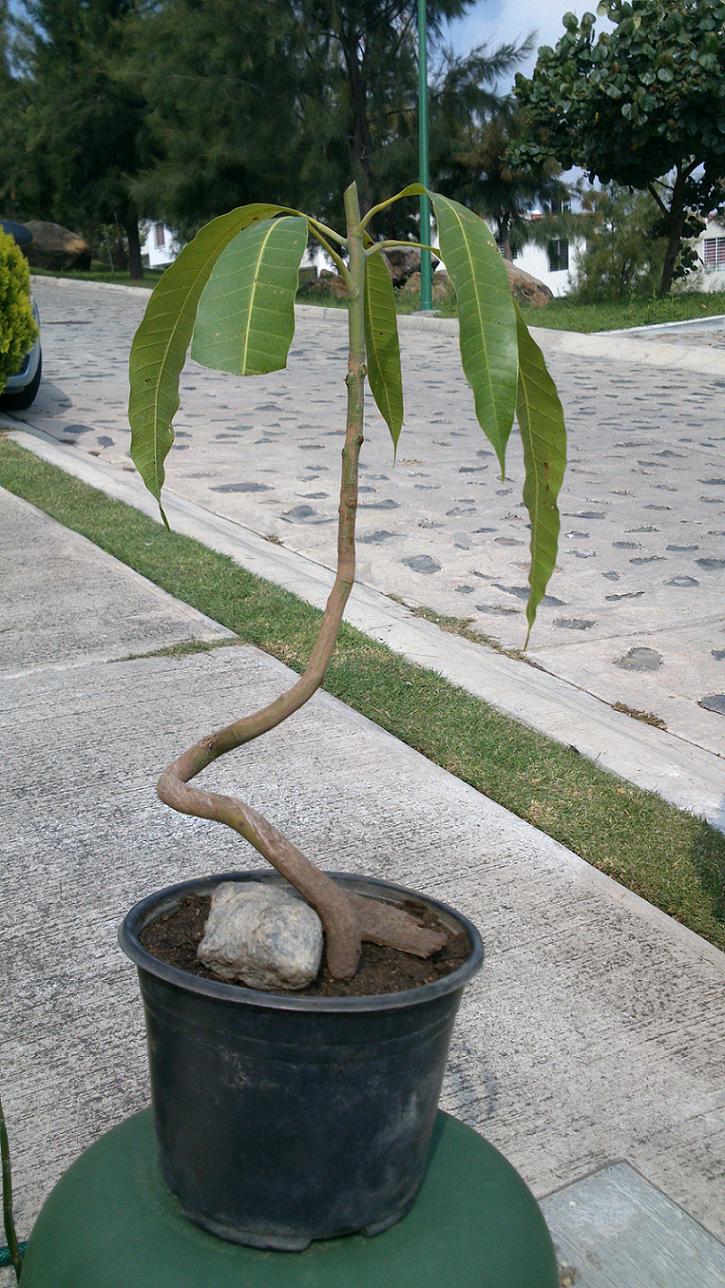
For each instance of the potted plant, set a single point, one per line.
(293, 1114)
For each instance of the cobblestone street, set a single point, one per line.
(634, 613)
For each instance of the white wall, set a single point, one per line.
(160, 256)
(708, 279)
(535, 260)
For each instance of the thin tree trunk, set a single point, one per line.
(504, 238)
(135, 267)
(360, 137)
(676, 218)
(347, 919)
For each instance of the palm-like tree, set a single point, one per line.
(503, 192)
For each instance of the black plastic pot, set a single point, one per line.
(282, 1118)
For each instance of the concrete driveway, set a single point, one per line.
(634, 613)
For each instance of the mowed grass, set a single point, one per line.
(149, 280)
(671, 858)
(566, 315)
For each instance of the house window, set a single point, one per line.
(713, 253)
(558, 250)
(159, 236)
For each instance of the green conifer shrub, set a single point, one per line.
(18, 330)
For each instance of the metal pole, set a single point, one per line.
(426, 274)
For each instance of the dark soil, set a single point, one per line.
(174, 937)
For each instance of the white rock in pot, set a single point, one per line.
(264, 935)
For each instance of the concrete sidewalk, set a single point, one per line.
(593, 1035)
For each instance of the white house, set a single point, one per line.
(160, 246)
(710, 247)
(553, 264)
(556, 263)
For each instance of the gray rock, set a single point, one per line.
(266, 936)
(241, 487)
(422, 563)
(640, 659)
(714, 702)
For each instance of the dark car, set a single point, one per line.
(21, 388)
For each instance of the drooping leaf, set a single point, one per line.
(486, 318)
(246, 316)
(161, 342)
(381, 342)
(541, 424)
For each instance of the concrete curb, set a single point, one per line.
(633, 347)
(616, 346)
(62, 282)
(713, 322)
(682, 773)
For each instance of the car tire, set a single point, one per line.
(24, 397)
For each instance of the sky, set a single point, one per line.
(497, 22)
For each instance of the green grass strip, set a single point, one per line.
(674, 859)
(564, 314)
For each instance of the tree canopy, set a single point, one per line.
(642, 105)
(85, 122)
(293, 98)
(498, 188)
(180, 109)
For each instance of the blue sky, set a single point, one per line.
(497, 21)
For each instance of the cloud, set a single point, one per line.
(496, 22)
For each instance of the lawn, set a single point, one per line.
(150, 276)
(671, 858)
(565, 315)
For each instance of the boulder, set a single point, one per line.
(329, 284)
(308, 276)
(56, 247)
(264, 935)
(527, 289)
(441, 287)
(402, 264)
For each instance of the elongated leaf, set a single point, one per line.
(541, 424)
(161, 342)
(486, 318)
(246, 316)
(381, 342)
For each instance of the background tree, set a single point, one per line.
(642, 105)
(225, 87)
(294, 98)
(622, 256)
(13, 105)
(366, 50)
(85, 121)
(503, 191)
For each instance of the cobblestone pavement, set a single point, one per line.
(634, 612)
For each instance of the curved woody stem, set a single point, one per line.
(347, 919)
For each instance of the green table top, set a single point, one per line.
(111, 1222)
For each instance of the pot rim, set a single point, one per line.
(143, 912)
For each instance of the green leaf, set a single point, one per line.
(486, 318)
(381, 342)
(246, 316)
(541, 425)
(160, 344)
